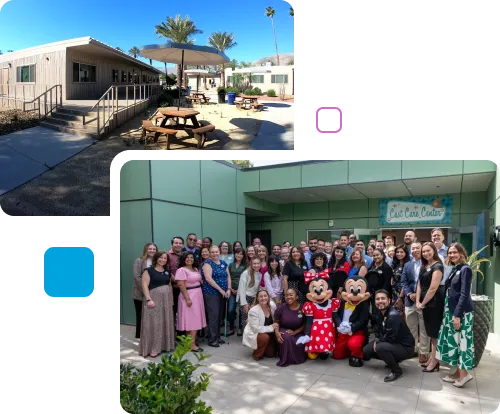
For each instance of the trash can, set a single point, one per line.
(222, 97)
(231, 97)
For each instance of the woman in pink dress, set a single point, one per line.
(191, 311)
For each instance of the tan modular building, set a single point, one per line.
(84, 67)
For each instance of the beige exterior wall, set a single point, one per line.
(104, 74)
(267, 84)
(54, 66)
(49, 71)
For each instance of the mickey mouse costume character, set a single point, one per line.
(320, 329)
(352, 321)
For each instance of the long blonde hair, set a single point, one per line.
(145, 250)
(251, 272)
(256, 300)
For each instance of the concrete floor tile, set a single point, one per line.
(341, 368)
(293, 382)
(263, 402)
(388, 398)
(430, 402)
(339, 389)
(363, 410)
(317, 406)
(412, 377)
(489, 406)
(435, 383)
(488, 388)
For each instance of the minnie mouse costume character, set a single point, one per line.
(320, 329)
(352, 321)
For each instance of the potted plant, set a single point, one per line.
(221, 92)
(483, 308)
(168, 387)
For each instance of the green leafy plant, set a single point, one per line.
(232, 89)
(249, 92)
(221, 89)
(474, 262)
(271, 93)
(257, 91)
(166, 387)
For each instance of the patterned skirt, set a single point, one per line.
(456, 347)
(158, 328)
(244, 316)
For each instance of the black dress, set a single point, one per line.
(433, 310)
(296, 281)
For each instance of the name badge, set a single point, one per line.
(458, 272)
(380, 272)
(428, 269)
(299, 315)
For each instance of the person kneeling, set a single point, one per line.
(259, 331)
(393, 340)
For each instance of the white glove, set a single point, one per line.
(344, 328)
(303, 340)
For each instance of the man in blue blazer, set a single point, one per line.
(415, 319)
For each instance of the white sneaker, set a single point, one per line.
(449, 379)
(465, 380)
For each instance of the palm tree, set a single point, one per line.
(234, 64)
(270, 13)
(1, 53)
(119, 48)
(178, 30)
(134, 51)
(222, 41)
(291, 11)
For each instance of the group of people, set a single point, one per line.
(414, 297)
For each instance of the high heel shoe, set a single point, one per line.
(436, 368)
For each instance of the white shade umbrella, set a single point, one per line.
(184, 54)
(196, 72)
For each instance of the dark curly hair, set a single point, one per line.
(314, 256)
(182, 260)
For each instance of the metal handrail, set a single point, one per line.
(39, 97)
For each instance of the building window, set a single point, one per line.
(130, 77)
(116, 75)
(257, 78)
(229, 79)
(279, 78)
(26, 74)
(84, 73)
(124, 76)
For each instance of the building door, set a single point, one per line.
(5, 82)
(326, 235)
(263, 235)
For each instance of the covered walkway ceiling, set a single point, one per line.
(463, 183)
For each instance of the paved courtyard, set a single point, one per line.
(241, 385)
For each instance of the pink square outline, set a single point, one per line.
(335, 131)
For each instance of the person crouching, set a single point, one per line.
(393, 340)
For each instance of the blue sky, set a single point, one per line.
(27, 23)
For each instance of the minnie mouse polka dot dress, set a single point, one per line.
(323, 329)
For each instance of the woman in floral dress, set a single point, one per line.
(456, 337)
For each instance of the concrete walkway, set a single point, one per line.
(241, 385)
(276, 131)
(26, 154)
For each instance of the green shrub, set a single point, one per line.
(271, 93)
(165, 387)
(233, 89)
(249, 92)
(257, 91)
(221, 89)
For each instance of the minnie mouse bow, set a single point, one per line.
(308, 276)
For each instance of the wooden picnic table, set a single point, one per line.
(171, 112)
(199, 96)
(247, 101)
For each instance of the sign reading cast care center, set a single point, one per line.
(416, 210)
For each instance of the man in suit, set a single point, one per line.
(393, 340)
(415, 319)
(191, 240)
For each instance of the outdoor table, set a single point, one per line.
(184, 113)
(248, 100)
